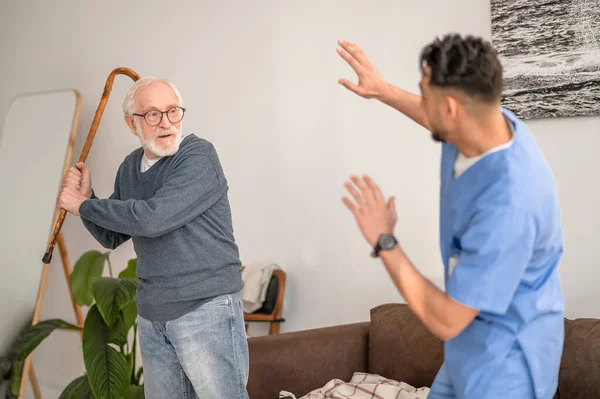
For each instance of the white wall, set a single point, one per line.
(259, 80)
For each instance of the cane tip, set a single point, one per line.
(47, 258)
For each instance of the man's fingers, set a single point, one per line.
(364, 188)
(357, 196)
(73, 171)
(81, 167)
(358, 54)
(353, 62)
(71, 180)
(351, 205)
(392, 205)
(352, 49)
(365, 59)
(60, 201)
(377, 194)
(73, 175)
(68, 190)
(72, 184)
(345, 46)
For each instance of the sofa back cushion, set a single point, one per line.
(580, 365)
(401, 347)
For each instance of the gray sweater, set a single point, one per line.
(178, 215)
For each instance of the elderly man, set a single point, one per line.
(501, 316)
(170, 198)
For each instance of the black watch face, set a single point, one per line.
(388, 242)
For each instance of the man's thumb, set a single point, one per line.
(81, 166)
(391, 205)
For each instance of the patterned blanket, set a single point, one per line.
(364, 386)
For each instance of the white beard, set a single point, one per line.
(152, 147)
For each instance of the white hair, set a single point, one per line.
(142, 83)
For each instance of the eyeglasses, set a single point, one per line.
(153, 117)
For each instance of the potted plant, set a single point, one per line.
(109, 358)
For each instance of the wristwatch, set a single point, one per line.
(384, 243)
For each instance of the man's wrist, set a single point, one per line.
(81, 206)
(395, 257)
(384, 94)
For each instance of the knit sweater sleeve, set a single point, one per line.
(107, 238)
(191, 188)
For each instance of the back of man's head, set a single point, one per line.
(468, 64)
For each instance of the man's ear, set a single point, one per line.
(131, 124)
(453, 107)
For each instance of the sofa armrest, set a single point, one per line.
(300, 362)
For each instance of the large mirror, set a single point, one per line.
(35, 149)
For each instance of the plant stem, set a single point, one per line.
(133, 350)
(109, 266)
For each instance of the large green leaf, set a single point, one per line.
(130, 272)
(16, 376)
(107, 371)
(135, 392)
(31, 337)
(118, 333)
(112, 294)
(78, 389)
(130, 314)
(89, 266)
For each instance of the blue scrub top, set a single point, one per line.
(501, 243)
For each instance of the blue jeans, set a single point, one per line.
(203, 354)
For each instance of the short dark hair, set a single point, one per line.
(469, 64)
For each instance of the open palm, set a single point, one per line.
(370, 81)
(373, 214)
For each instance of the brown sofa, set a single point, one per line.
(394, 344)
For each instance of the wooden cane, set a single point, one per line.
(86, 149)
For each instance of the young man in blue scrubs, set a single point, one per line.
(501, 316)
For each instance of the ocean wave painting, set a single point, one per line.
(550, 52)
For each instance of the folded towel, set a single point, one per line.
(256, 279)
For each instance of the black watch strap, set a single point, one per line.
(376, 250)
